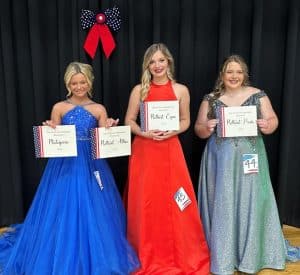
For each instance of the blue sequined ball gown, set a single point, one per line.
(76, 224)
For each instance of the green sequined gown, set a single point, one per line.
(238, 210)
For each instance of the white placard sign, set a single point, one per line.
(237, 121)
(55, 142)
(111, 142)
(160, 115)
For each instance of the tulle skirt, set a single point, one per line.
(76, 223)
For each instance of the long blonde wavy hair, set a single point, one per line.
(219, 88)
(76, 68)
(146, 75)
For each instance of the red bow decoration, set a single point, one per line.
(99, 24)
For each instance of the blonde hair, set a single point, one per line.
(219, 88)
(76, 68)
(146, 75)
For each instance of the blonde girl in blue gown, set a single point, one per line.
(76, 223)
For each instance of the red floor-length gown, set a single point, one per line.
(168, 241)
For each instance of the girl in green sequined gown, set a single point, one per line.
(238, 210)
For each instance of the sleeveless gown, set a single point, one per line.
(76, 224)
(238, 210)
(168, 241)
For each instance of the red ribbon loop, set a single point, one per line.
(96, 33)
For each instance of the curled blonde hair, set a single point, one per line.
(146, 75)
(76, 68)
(219, 88)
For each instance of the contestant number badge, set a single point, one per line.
(182, 199)
(250, 163)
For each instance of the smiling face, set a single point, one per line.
(79, 86)
(233, 76)
(158, 65)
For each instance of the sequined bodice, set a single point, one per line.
(82, 119)
(215, 104)
(251, 100)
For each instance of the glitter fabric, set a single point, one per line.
(76, 224)
(239, 211)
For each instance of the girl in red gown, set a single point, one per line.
(168, 240)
